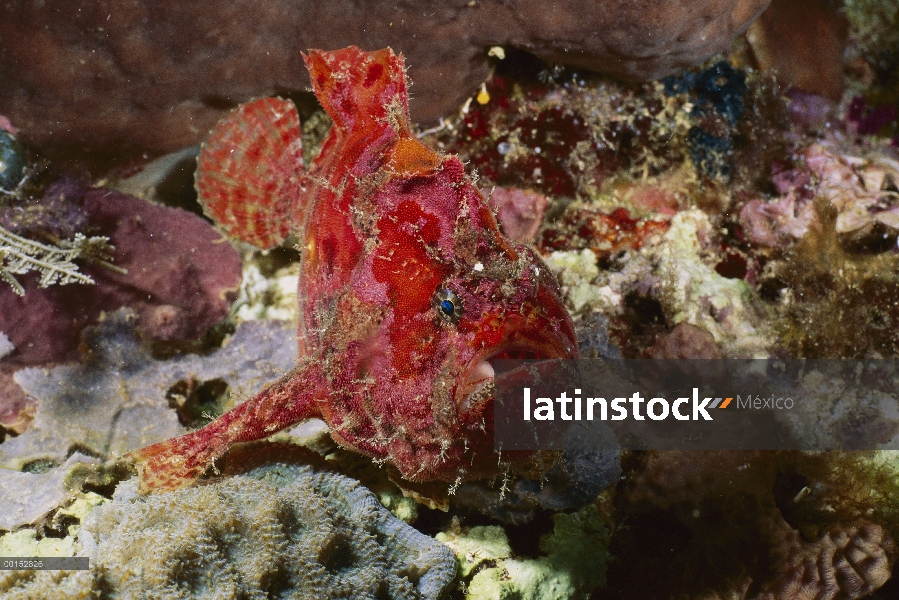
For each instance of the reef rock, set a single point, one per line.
(519, 212)
(756, 526)
(27, 497)
(802, 41)
(573, 564)
(685, 341)
(87, 76)
(122, 398)
(675, 270)
(179, 273)
(281, 531)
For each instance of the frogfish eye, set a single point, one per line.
(448, 306)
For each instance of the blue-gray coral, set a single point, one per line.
(26, 498)
(117, 402)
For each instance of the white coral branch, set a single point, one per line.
(55, 263)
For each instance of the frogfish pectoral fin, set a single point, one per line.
(249, 171)
(180, 461)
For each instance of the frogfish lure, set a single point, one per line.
(408, 290)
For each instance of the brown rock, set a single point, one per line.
(685, 341)
(181, 278)
(802, 42)
(113, 77)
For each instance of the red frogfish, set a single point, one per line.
(408, 289)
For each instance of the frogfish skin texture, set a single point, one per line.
(407, 290)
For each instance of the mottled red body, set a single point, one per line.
(407, 288)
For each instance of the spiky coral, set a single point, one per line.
(19, 255)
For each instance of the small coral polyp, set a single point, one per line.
(385, 225)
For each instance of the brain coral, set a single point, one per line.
(755, 526)
(850, 561)
(277, 532)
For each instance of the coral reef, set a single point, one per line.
(748, 207)
(674, 272)
(567, 134)
(169, 265)
(160, 93)
(755, 525)
(281, 530)
(122, 398)
(618, 163)
(573, 565)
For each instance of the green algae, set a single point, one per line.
(26, 543)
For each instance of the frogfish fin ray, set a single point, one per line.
(248, 171)
(180, 461)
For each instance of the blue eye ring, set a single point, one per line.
(448, 305)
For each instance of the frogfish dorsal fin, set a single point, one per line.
(360, 89)
(249, 169)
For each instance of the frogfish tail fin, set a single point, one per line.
(249, 171)
(358, 88)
